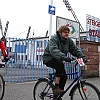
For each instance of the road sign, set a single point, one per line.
(51, 10)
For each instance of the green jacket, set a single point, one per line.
(59, 46)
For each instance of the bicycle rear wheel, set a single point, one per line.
(2, 87)
(88, 91)
(42, 91)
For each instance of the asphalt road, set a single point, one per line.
(24, 91)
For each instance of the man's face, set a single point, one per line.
(65, 34)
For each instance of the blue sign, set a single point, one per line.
(51, 10)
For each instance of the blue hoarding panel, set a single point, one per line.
(20, 48)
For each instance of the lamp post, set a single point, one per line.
(50, 23)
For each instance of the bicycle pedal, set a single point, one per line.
(56, 96)
(59, 98)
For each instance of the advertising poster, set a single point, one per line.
(73, 25)
(92, 28)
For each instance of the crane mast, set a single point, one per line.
(6, 28)
(1, 27)
(68, 6)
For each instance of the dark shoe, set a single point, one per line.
(58, 90)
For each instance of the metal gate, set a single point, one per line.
(25, 62)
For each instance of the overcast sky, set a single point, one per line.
(24, 13)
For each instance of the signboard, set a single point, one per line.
(92, 28)
(73, 26)
(51, 10)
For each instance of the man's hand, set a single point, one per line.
(67, 59)
(85, 59)
(5, 59)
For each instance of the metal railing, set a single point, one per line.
(25, 62)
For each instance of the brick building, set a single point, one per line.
(91, 50)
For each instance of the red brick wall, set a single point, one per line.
(90, 49)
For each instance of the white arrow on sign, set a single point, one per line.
(52, 8)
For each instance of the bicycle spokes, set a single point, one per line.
(85, 92)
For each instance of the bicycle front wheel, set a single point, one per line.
(87, 91)
(42, 90)
(2, 87)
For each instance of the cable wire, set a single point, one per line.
(20, 33)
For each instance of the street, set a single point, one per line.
(24, 91)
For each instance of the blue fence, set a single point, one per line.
(26, 63)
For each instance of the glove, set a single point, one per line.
(67, 59)
(85, 59)
(5, 59)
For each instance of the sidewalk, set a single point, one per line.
(24, 91)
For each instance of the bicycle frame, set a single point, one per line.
(78, 73)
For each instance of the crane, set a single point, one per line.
(4, 35)
(6, 28)
(68, 6)
(1, 27)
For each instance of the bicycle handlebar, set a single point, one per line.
(79, 61)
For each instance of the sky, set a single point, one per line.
(24, 13)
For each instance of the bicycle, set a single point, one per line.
(2, 87)
(2, 82)
(81, 90)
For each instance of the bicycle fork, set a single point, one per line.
(82, 90)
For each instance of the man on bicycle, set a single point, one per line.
(55, 53)
(4, 50)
